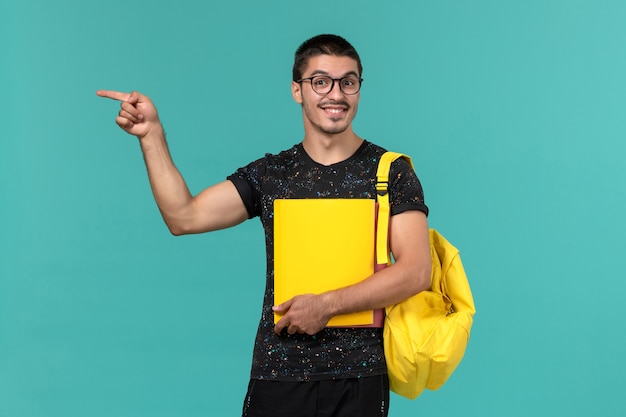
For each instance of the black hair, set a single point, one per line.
(325, 44)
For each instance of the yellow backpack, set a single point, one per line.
(426, 335)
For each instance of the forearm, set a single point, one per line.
(168, 185)
(389, 286)
(406, 277)
(309, 313)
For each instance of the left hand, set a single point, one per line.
(137, 116)
(302, 314)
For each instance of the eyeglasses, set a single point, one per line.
(322, 84)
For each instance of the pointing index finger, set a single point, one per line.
(114, 95)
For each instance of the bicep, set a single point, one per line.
(218, 207)
(410, 244)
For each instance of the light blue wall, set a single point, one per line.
(513, 112)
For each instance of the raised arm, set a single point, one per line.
(217, 207)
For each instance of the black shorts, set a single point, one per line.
(362, 397)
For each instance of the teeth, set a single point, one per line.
(334, 110)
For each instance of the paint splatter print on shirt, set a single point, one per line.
(334, 352)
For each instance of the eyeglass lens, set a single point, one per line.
(323, 84)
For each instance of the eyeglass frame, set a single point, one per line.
(332, 84)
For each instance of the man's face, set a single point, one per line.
(333, 112)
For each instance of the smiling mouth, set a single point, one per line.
(334, 110)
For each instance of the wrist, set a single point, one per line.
(330, 301)
(152, 139)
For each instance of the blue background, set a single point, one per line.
(513, 112)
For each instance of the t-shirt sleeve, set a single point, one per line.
(246, 181)
(406, 191)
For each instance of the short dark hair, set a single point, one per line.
(325, 44)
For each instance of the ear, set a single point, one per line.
(296, 92)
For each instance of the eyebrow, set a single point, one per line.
(322, 72)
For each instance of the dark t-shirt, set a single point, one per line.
(333, 352)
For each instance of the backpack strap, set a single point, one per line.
(382, 197)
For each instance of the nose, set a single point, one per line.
(335, 90)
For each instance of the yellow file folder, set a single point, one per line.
(321, 245)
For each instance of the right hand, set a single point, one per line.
(138, 116)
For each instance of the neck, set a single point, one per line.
(330, 149)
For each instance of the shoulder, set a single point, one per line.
(284, 158)
(398, 166)
(371, 149)
(272, 161)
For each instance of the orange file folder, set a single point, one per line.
(321, 245)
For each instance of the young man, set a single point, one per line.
(301, 367)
